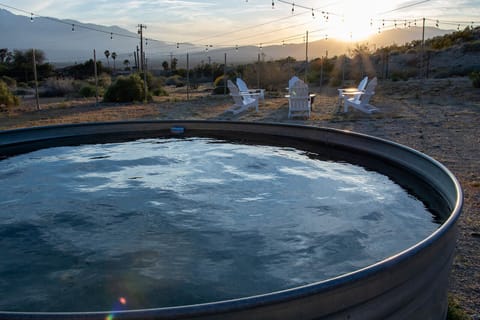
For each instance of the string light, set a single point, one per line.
(406, 22)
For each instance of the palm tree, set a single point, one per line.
(107, 54)
(114, 56)
(126, 63)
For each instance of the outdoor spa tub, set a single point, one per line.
(408, 282)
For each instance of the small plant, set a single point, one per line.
(475, 77)
(6, 97)
(455, 312)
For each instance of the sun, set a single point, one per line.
(354, 24)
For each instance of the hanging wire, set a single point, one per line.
(457, 24)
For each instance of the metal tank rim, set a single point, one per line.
(17, 139)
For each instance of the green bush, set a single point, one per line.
(87, 91)
(160, 92)
(175, 80)
(219, 85)
(6, 97)
(475, 77)
(10, 82)
(126, 89)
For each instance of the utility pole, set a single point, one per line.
(306, 56)
(423, 48)
(188, 77)
(145, 79)
(96, 76)
(35, 77)
(140, 32)
(135, 56)
(225, 75)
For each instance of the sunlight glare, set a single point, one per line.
(355, 24)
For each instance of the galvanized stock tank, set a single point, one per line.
(410, 285)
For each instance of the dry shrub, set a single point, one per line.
(272, 76)
(57, 87)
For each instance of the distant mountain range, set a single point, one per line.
(69, 41)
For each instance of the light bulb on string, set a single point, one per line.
(273, 4)
(111, 35)
(73, 27)
(146, 41)
(293, 7)
(31, 17)
(436, 24)
(313, 14)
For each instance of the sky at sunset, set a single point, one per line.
(255, 22)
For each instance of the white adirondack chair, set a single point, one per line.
(243, 101)
(345, 92)
(242, 86)
(361, 102)
(299, 100)
(292, 81)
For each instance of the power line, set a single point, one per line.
(72, 24)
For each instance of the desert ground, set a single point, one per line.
(439, 117)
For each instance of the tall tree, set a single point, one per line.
(107, 54)
(114, 56)
(165, 65)
(126, 63)
(173, 64)
(3, 54)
